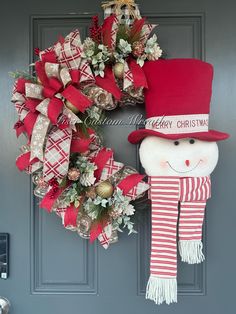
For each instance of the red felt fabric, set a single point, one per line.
(178, 87)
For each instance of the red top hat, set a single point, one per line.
(178, 101)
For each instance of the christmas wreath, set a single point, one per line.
(71, 82)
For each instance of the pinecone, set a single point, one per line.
(73, 174)
(87, 179)
(91, 193)
(137, 49)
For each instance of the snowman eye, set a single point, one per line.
(176, 143)
(192, 141)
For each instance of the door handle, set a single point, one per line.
(4, 306)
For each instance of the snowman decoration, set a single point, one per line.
(178, 153)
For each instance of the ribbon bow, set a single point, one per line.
(41, 105)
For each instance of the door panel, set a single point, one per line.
(53, 270)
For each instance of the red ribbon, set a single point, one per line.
(80, 143)
(19, 128)
(40, 70)
(49, 56)
(129, 182)
(79, 100)
(70, 218)
(75, 76)
(20, 85)
(107, 31)
(100, 161)
(136, 29)
(50, 198)
(54, 109)
(31, 104)
(54, 86)
(138, 74)
(96, 229)
(108, 83)
(29, 122)
(23, 161)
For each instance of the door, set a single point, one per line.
(53, 270)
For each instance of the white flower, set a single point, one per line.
(88, 48)
(98, 60)
(99, 200)
(124, 47)
(129, 210)
(152, 40)
(156, 53)
(152, 49)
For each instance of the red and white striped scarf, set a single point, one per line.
(166, 194)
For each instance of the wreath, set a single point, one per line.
(71, 83)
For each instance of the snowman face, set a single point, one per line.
(183, 158)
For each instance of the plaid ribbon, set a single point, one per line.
(128, 77)
(114, 30)
(105, 236)
(110, 169)
(146, 31)
(68, 54)
(57, 153)
(85, 72)
(138, 190)
(22, 110)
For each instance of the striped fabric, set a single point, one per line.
(193, 195)
(196, 189)
(166, 193)
(165, 197)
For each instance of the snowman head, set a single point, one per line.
(184, 157)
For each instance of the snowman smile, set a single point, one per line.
(186, 170)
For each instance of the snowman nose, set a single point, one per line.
(187, 162)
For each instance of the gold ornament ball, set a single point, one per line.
(104, 189)
(119, 70)
(70, 106)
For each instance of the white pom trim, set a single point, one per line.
(191, 251)
(161, 290)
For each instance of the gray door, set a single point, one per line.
(53, 270)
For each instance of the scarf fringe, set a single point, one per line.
(161, 290)
(191, 251)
